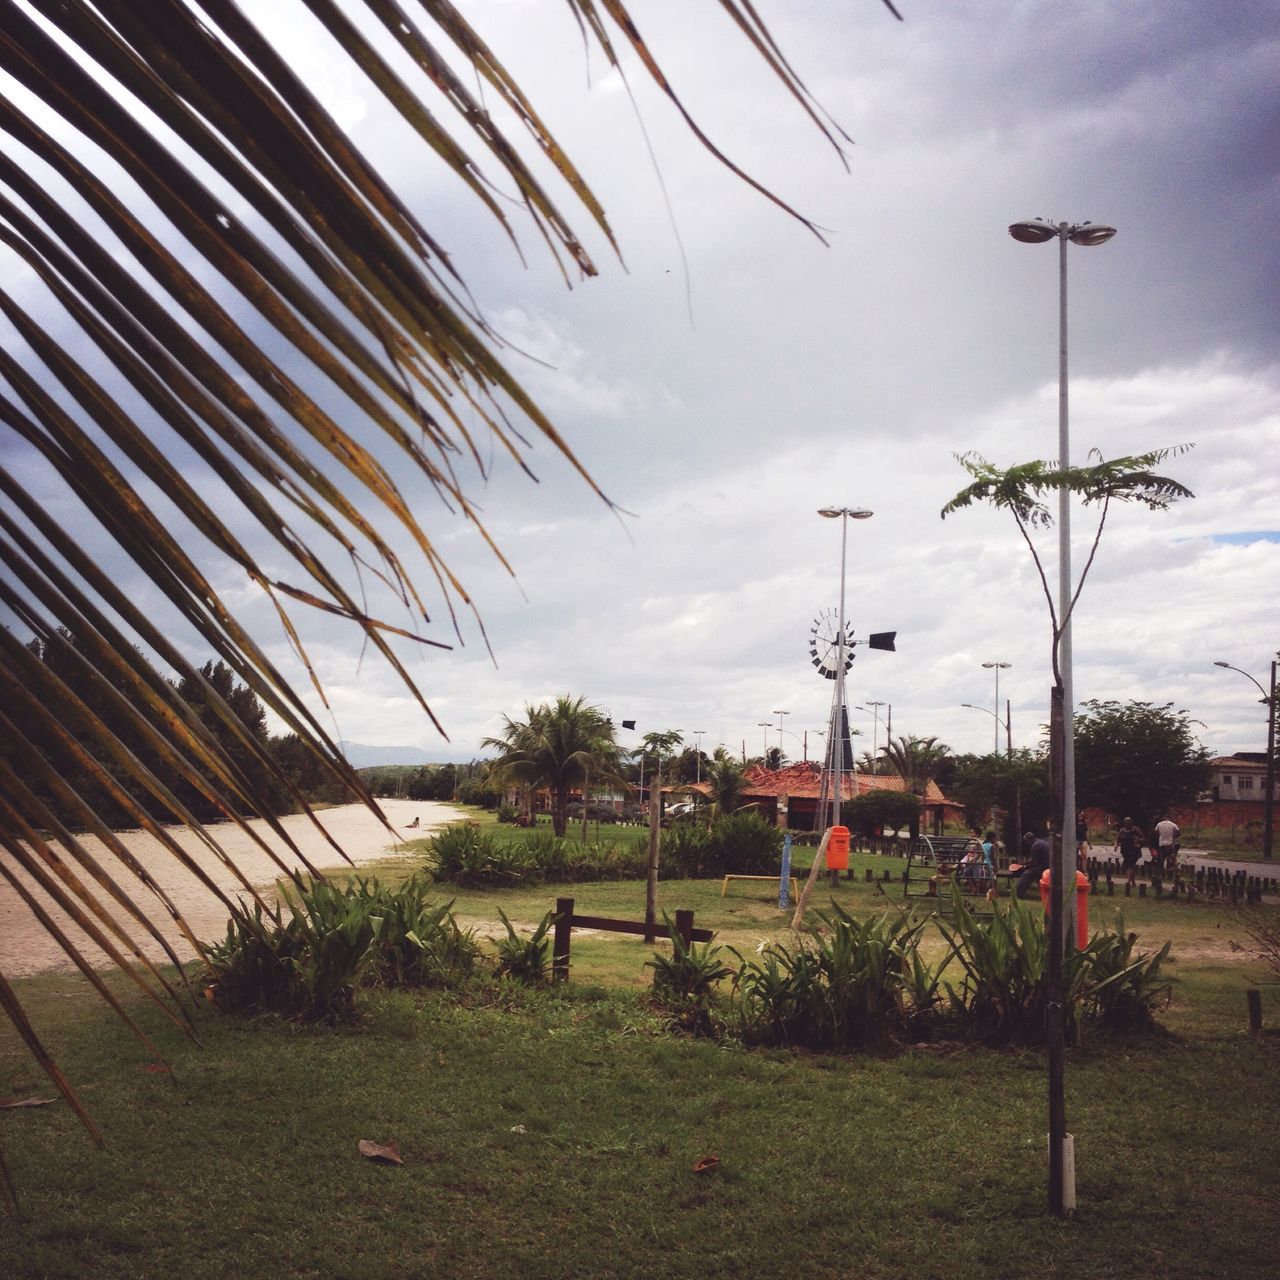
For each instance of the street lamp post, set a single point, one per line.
(874, 708)
(998, 667)
(780, 714)
(1061, 1196)
(697, 754)
(1268, 800)
(766, 725)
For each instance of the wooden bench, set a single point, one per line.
(724, 888)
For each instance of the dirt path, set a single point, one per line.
(25, 947)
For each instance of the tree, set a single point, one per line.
(914, 760)
(879, 808)
(1018, 785)
(294, 341)
(725, 778)
(1021, 491)
(1136, 759)
(558, 746)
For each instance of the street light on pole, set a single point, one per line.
(697, 754)
(780, 714)
(1268, 800)
(1061, 1196)
(998, 667)
(874, 708)
(766, 725)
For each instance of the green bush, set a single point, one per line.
(684, 982)
(508, 814)
(467, 856)
(310, 960)
(739, 844)
(848, 986)
(522, 959)
(1005, 993)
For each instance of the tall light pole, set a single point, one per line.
(780, 714)
(874, 708)
(998, 667)
(1004, 724)
(835, 735)
(697, 754)
(766, 725)
(1269, 800)
(1061, 1196)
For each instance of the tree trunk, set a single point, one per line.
(559, 803)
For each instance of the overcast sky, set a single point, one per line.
(734, 374)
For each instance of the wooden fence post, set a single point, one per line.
(684, 927)
(561, 939)
(1254, 997)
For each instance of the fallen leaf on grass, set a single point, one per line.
(707, 1164)
(27, 1102)
(384, 1152)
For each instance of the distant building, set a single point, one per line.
(788, 797)
(1242, 776)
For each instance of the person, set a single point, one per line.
(1129, 845)
(1035, 865)
(416, 821)
(1166, 833)
(1082, 842)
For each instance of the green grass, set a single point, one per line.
(550, 1134)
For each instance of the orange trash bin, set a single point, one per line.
(1082, 905)
(838, 849)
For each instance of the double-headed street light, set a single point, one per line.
(1061, 1196)
(998, 667)
(1269, 800)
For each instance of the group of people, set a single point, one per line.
(1163, 841)
(978, 865)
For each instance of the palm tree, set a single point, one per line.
(724, 777)
(914, 760)
(558, 746)
(294, 346)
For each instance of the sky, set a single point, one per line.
(732, 373)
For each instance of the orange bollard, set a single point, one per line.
(1082, 905)
(838, 849)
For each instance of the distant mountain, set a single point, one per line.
(361, 756)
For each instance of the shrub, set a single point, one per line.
(508, 814)
(844, 988)
(464, 855)
(739, 844)
(1121, 992)
(310, 962)
(521, 959)
(684, 982)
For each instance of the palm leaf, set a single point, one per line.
(219, 274)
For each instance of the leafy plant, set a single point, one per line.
(685, 981)
(847, 986)
(465, 855)
(1122, 991)
(525, 959)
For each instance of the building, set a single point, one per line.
(1240, 777)
(788, 797)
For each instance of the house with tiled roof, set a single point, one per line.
(1242, 776)
(788, 797)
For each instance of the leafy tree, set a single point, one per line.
(880, 808)
(1018, 785)
(1021, 491)
(558, 746)
(915, 760)
(1137, 759)
(725, 778)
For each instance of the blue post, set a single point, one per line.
(785, 883)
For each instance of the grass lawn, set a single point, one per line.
(552, 1134)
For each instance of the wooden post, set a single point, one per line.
(655, 836)
(819, 859)
(1254, 997)
(561, 940)
(684, 927)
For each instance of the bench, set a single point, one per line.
(932, 861)
(724, 888)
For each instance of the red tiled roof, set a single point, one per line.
(805, 779)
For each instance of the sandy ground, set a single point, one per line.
(26, 948)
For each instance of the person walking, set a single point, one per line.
(1129, 845)
(1167, 832)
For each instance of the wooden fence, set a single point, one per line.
(566, 922)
